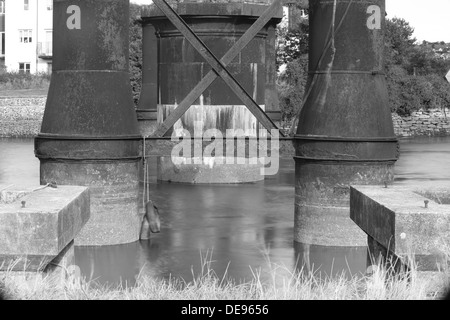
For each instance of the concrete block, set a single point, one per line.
(398, 219)
(56, 270)
(36, 225)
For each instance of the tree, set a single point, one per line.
(292, 53)
(291, 87)
(414, 72)
(399, 42)
(135, 51)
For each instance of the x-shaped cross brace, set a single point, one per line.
(218, 67)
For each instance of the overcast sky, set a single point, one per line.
(430, 19)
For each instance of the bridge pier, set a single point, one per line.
(218, 108)
(345, 133)
(89, 134)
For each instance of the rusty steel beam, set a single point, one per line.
(219, 67)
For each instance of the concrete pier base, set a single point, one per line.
(208, 170)
(114, 189)
(322, 202)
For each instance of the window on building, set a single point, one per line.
(49, 5)
(2, 43)
(24, 67)
(48, 46)
(26, 4)
(25, 35)
(2, 6)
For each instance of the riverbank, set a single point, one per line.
(21, 116)
(208, 286)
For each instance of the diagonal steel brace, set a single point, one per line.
(219, 67)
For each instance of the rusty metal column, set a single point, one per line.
(345, 133)
(89, 133)
(147, 110)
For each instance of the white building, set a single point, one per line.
(26, 35)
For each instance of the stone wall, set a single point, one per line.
(433, 122)
(22, 117)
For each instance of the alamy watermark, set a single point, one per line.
(238, 149)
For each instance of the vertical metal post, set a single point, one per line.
(89, 133)
(345, 133)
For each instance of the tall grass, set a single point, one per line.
(282, 285)
(19, 81)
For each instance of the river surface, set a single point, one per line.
(239, 231)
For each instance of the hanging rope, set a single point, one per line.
(146, 178)
(148, 182)
(330, 43)
(144, 163)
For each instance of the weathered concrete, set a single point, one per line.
(209, 171)
(36, 226)
(251, 147)
(114, 189)
(322, 201)
(398, 219)
(57, 270)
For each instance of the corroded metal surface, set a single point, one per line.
(181, 66)
(89, 133)
(345, 133)
(147, 109)
(185, 74)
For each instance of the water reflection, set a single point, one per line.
(237, 228)
(109, 264)
(426, 158)
(17, 162)
(325, 262)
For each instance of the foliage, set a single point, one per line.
(399, 41)
(291, 44)
(415, 72)
(292, 62)
(135, 51)
(18, 81)
(291, 87)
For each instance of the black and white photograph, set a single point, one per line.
(224, 158)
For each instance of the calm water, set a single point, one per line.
(239, 229)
